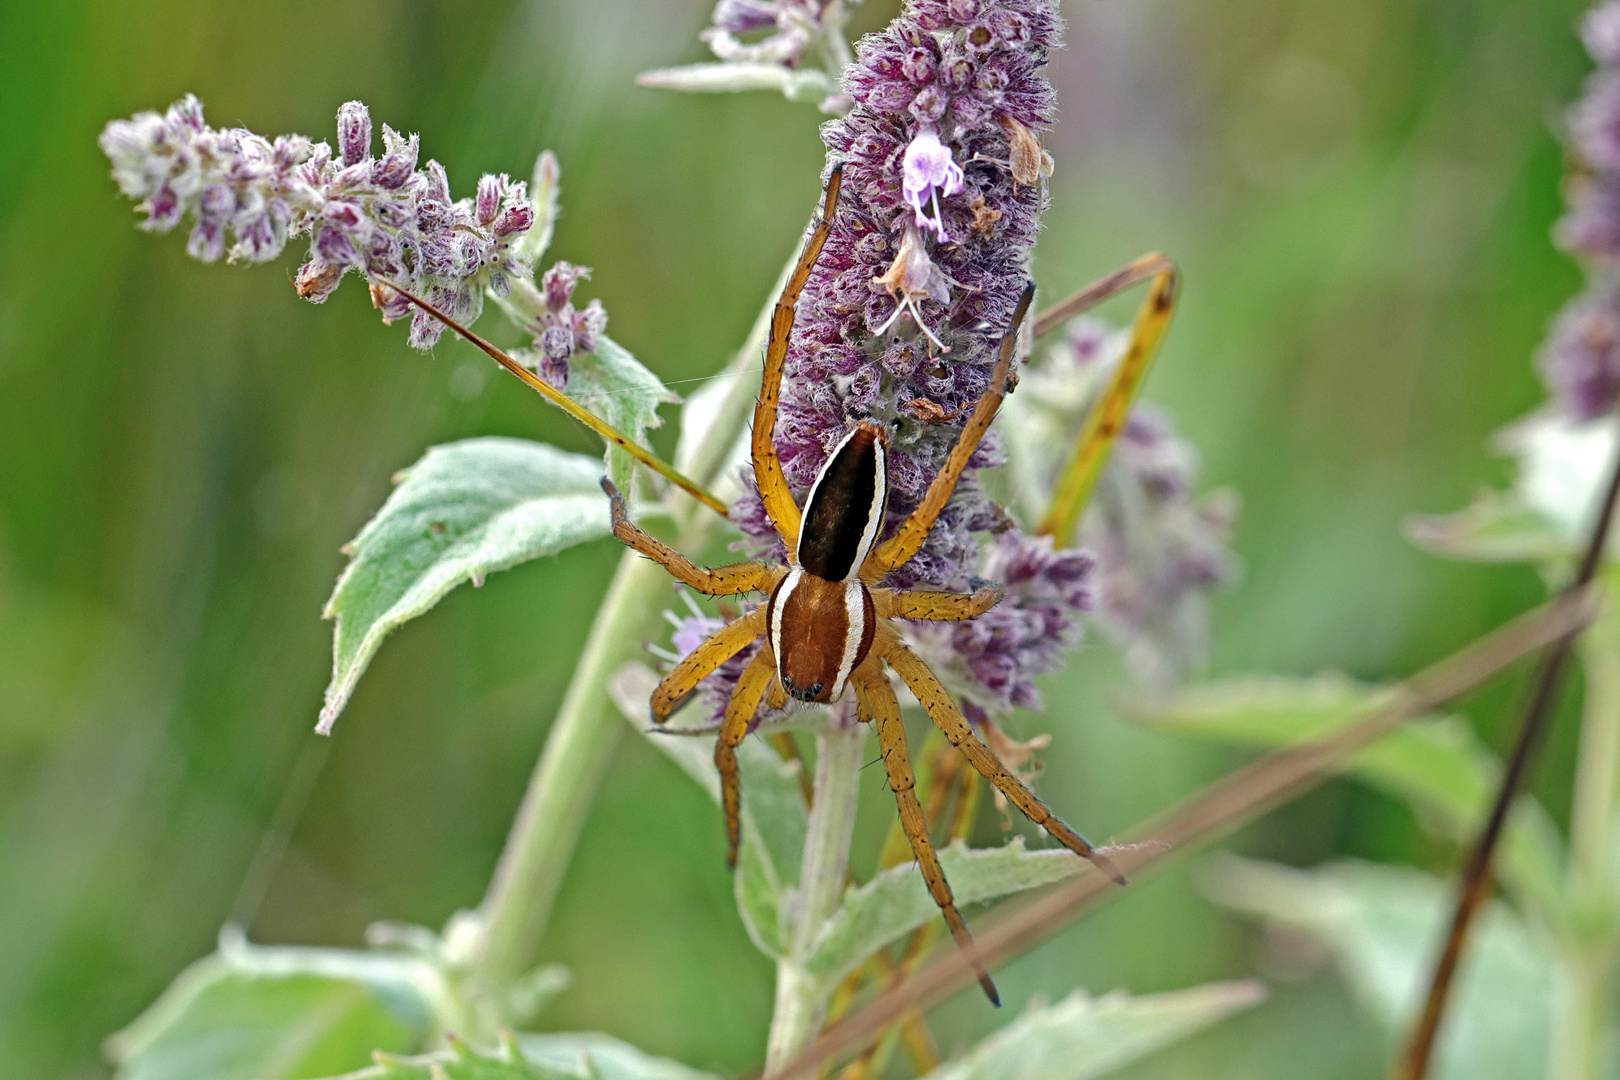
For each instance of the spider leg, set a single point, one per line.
(773, 486)
(723, 581)
(898, 549)
(948, 718)
(875, 701)
(744, 703)
(935, 606)
(1107, 418)
(697, 665)
(1089, 296)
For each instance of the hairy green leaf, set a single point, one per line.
(774, 817)
(1082, 1037)
(256, 1013)
(612, 1059)
(465, 510)
(621, 390)
(1498, 527)
(1435, 763)
(897, 901)
(1382, 924)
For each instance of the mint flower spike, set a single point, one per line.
(383, 217)
(1580, 360)
(899, 323)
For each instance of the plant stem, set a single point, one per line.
(801, 999)
(1587, 960)
(577, 751)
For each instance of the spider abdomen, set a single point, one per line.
(820, 631)
(844, 511)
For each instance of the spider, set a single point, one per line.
(826, 625)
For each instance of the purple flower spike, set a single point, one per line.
(1580, 360)
(383, 217)
(902, 315)
(927, 166)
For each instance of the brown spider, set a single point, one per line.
(826, 623)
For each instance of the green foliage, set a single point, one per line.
(612, 1059)
(622, 391)
(896, 901)
(1434, 763)
(1498, 527)
(465, 510)
(257, 1013)
(1083, 1037)
(532, 1057)
(1381, 924)
(774, 817)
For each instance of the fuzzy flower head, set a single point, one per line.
(387, 218)
(926, 258)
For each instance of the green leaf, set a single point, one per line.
(462, 1062)
(896, 901)
(613, 1059)
(465, 510)
(1434, 763)
(621, 390)
(1082, 1037)
(252, 1013)
(774, 817)
(1498, 527)
(1382, 925)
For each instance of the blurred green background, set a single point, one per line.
(1360, 195)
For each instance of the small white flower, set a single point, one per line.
(927, 167)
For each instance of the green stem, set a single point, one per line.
(801, 999)
(1587, 961)
(577, 751)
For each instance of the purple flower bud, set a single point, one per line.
(588, 326)
(490, 190)
(398, 166)
(207, 240)
(1600, 31)
(557, 284)
(514, 220)
(1581, 359)
(354, 132)
(745, 16)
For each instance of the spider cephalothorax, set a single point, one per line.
(826, 623)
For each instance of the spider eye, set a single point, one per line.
(787, 684)
(816, 689)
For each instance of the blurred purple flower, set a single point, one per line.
(1579, 360)
(1581, 357)
(1160, 548)
(382, 217)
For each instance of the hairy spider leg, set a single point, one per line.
(875, 701)
(948, 718)
(701, 662)
(936, 606)
(773, 486)
(899, 549)
(739, 714)
(722, 581)
(1107, 418)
